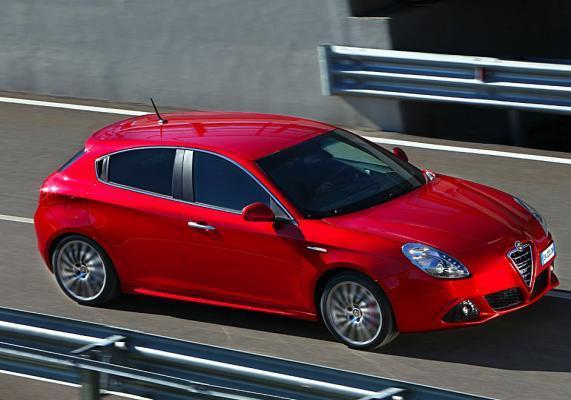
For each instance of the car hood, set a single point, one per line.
(448, 213)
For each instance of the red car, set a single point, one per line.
(287, 216)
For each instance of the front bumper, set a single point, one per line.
(494, 291)
(505, 301)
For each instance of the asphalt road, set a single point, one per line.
(526, 355)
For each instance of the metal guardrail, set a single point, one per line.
(479, 81)
(102, 358)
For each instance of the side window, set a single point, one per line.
(220, 183)
(146, 169)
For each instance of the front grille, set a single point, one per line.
(522, 259)
(540, 283)
(504, 299)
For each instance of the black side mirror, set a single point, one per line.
(397, 151)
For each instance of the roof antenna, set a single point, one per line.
(161, 119)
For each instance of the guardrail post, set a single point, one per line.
(479, 74)
(89, 385)
(323, 54)
(91, 382)
(517, 131)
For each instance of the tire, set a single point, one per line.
(356, 312)
(84, 272)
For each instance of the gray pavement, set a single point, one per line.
(525, 355)
(17, 387)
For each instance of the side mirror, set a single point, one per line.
(258, 212)
(397, 151)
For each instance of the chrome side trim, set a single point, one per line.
(199, 204)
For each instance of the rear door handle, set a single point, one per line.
(197, 225)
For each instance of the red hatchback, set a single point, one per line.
(287, 216)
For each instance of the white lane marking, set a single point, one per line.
(70, 106)
(470, 150)
(16, 219)
(422, 145)
(75, 385)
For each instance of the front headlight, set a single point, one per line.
(434, 262)
(533, 212)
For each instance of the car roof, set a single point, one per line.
(250, 135)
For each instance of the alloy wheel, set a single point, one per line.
(354, 313)
(81, 270)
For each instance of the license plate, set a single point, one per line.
(548, 254)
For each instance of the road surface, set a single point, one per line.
(526, 355)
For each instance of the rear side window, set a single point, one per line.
(145, 169)
(220, 183)
(71, 160)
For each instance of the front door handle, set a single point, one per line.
(197, 225)
(319, 249)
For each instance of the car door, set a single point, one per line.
(232, 259)
(133, 211)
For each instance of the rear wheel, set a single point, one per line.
(356, 312)
(84, 271)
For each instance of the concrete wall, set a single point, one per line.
(203, 54)
(260, 55)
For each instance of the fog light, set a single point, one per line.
(463, 311)
(466, 309)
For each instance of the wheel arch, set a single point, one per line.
(110, 288)
(329, 274)
(56, 239)
(52, 247)
(60, 236)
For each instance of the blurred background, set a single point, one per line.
(261, 55)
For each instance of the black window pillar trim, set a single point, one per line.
(187, 185)
(105, 169)
(177, 180)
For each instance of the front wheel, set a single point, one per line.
(356, 312)
(84, 271)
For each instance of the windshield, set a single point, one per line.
(338, 173)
